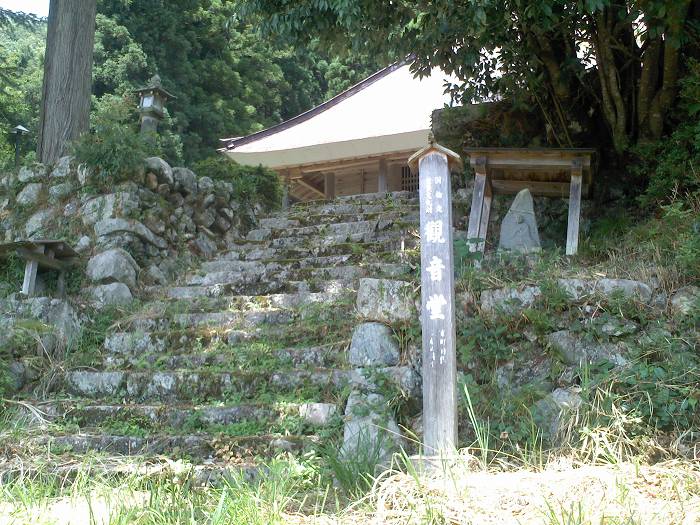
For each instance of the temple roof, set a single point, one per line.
(386, 113)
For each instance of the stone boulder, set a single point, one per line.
(161, 169)
(373, 344)
(318, 414)
(112, 294)
(185, 181)
(386, 301)
(552, 411)
(108, 206)
(628, 287)
(509, 300)
(685, 299)
(62, 168)
(59, 192)
(31, 174)
(37, 223)
(30, 194)
(519, 227)
(113, 266)
(107, 227)
(370, 432)
(575, 350)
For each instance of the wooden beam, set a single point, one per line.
(329, 184)
(477, 208)
(355, 162)
(574, 208)
(315, 189)
(382, 184)
(544, 189)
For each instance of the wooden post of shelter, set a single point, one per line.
(574, 206)
(437, 299)
(329, 185)
(382, 183)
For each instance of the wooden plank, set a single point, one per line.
(381, 177)
(477, 205)
(545, 189)
(329, 185)
(30, 271)
(572, 231)
(438, 312)
(544, 163)
(354, 162)
(485, 214)
(46, 261)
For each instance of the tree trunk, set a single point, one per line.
(65, 106)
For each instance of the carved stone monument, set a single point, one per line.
(519, 227)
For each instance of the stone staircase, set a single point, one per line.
(245, 357)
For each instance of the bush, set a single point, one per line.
(114, 149)
(251, 185)
(670, 166)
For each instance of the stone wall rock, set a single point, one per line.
(386, 301)
(113, 266)
(373, 344)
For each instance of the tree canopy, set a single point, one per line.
(577, 62)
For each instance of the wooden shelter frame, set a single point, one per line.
(547, 172)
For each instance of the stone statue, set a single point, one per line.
(519, 227)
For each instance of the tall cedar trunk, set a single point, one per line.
(65, 106)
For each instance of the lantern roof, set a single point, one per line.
(155, 85)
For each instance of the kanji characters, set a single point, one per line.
(435, 305)
(435, 269)
(434, 232)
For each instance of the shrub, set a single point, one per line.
(251, 185)
(114, 149)
(671, 164)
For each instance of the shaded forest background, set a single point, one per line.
(229, 79)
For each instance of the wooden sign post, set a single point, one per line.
(437, 299)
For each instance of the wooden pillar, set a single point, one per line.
(574, 207)
(30, 271)
(437, 299)
(481, 207)
(285, 190)
(329, 185)
(382, 184)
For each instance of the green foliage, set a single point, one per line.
(671, 166)
(354, 472)
(11, 274)
(251, 185)
(114, 150)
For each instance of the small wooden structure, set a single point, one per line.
(52, 254)
(547, 171)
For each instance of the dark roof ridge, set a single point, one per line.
(231, 143)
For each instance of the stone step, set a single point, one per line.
(176, 418)
(242, 279)
(170, 351)
(309, 242)
(226, 319)
(170, 386)
(66, 467)
(245, 251)
(348, 213)
(385, 222)
(197, 446)
(332, 287)
(308, 261)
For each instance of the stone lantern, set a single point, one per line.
(152, 103)
(18, 131)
